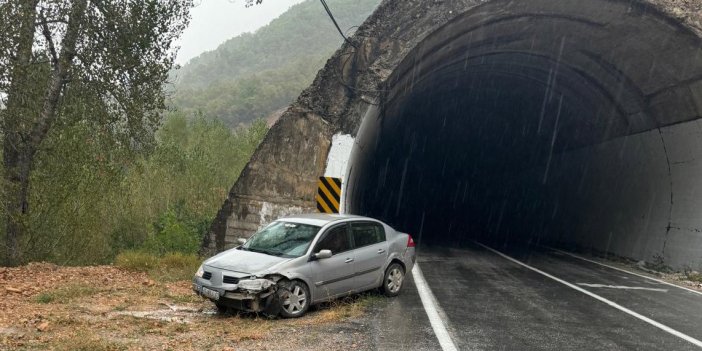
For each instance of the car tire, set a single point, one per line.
(294, 299)
(393, 280)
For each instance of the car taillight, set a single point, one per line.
(410, 241)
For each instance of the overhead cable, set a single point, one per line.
(326, 8)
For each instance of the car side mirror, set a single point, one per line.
(241, 241)
(323, 254)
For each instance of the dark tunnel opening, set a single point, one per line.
(538, 121)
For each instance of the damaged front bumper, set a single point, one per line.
(248, 295)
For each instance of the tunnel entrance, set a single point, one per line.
(529, 121)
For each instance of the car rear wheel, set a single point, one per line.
(393, 280)
(294, 299)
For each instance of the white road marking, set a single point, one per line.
(620, 287)
(434, 311)
(650, 321)
(624, 270)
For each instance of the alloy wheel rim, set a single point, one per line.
(395, 280)
(295, 300)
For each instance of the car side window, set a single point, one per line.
(367, 233)
(335, 239)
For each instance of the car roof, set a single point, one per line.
(320, 219)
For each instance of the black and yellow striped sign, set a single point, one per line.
(328, 194)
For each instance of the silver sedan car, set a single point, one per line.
(300, 261)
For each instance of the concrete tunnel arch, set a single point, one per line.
(565, 122)
(572, 121)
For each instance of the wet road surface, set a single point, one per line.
(491, 303)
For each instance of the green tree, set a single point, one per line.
(99, 63)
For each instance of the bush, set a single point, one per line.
(177, 231)
(137, 261)
(128, 233)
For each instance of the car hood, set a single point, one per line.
(244, 261)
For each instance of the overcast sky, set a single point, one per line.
(215, 21)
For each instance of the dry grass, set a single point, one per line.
(136, 261)
(66, 293)
(168, 268)
(86, 341)
(694, 276)
(175, 267)
(352, 306)
(106, 308)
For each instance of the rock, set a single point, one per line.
(678, 12)
(43, 326)
(13, 290)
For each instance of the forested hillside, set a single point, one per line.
(252, 75)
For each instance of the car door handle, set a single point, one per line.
(381, 251)
(348, 260)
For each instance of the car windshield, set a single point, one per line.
(284, 239)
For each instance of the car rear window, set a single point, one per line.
(367, 233)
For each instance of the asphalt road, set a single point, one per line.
(488, 302)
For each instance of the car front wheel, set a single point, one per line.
(221, 308)
(294, 299)
(393, 280)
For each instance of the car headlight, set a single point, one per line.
(254, 284)
(200, 272)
